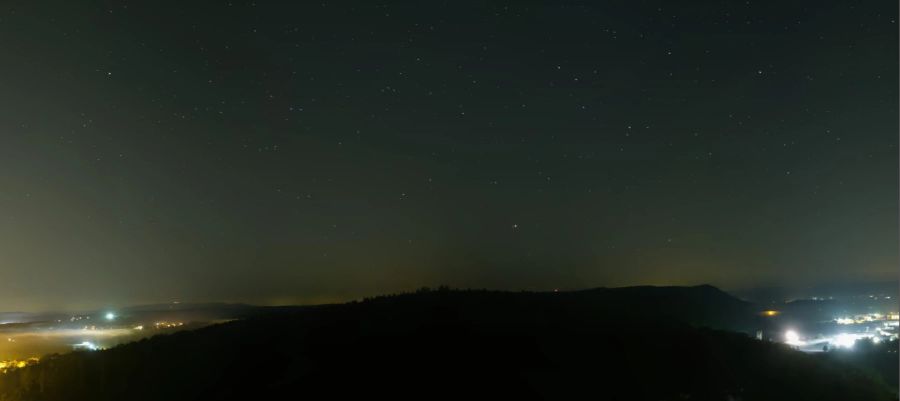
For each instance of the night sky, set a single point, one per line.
(279, 153)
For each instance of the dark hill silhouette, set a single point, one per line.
(702, 305)
(641, 343)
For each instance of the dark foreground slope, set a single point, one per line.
(625, 344)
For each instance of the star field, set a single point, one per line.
(278, 153)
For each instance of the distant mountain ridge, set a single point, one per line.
(778, 294)
(702, 305)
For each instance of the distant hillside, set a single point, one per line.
(640, 343)
(841, 289)
(11, 316)
(704, 305)
(208, 307)
(170, 311)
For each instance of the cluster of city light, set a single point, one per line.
(792, 338)
(16, 364)
(167, 325)
(888, 329)
(846, 340)
(866, 318)
(87, 345)
(841, 340)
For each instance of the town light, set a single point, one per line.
(845, 340)
(791, 337)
